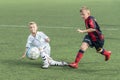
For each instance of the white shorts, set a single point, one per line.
(47, 50)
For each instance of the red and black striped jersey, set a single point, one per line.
(90, 22)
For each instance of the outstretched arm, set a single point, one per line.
(86, 31)
(24, 54)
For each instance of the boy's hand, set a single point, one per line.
(23, 56)
(80, 31)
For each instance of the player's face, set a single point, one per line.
(84, 14)
(33, 28)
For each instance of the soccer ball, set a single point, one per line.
(33, 53)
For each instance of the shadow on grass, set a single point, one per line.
(24, 62)
(111, 38)
(113, 25)
(96, 68)
(90, 68)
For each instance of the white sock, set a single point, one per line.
(57, 63)
(44, 58)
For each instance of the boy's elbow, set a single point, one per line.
(47, 40)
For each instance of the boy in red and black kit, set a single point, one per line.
(94, 38)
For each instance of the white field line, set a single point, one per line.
(57, 27)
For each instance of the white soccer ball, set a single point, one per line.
(33, 53)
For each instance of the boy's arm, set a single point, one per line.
(47, 40)
(24, 54)
(86, 31)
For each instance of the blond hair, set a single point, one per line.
(85, 8)
(31, 23)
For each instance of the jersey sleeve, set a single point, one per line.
(29, 41)
(44, 36)
(92, 23)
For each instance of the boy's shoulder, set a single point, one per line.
(40, 32)
(91, 17)
(30, 37)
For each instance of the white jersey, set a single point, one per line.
(37, 41)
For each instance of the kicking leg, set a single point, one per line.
(79, 56)
(57, 63)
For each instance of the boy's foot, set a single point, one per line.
(107, 57)
(45, 66)
(64, 63)
(73, 65)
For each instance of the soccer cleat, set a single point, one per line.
(64, 63)
(45, 66)
(107, 56)
(73, 65)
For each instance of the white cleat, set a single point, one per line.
(64, 63)
(45, 66)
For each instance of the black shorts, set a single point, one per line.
(97, 44)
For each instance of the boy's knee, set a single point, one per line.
(84, 46)
(99, 50)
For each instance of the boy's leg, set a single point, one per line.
(57, 63)
(79, 55)
(44, 57)
(47, 50)
(98, 46)
(49, 61)
(44, 54)
(106, 53)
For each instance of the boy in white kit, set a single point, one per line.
(41, 41)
